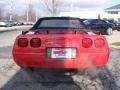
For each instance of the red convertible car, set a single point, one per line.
(60, 43)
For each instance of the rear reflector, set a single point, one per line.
(22, 42)
(87, 42)
(99, 43)
(35, 42)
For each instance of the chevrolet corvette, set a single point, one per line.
(60, 43)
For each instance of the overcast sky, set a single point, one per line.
(20, 5)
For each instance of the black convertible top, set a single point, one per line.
(57, 22)
(59, 18)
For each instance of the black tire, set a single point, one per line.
(27, 69)
(109, 31)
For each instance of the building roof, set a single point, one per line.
(116, 7)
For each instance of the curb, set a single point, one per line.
(15, 28)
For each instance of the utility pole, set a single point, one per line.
(53, 8)
(71, 6)
(27, 7)
(36, 14)
(27, 15)
(11, 10)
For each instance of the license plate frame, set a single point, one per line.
(61, 53)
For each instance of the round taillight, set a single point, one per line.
(22, 42)
(35, 42)
(99, 43)
(87, 43)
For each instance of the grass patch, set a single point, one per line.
(116, 44)
(24, 27)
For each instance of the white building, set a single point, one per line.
(113, 12)
(85, 14)
(109, 13)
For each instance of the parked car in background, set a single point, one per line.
(118, 28)
(19, 23)
(15, 22)
(60, 43)
(4, 23)
(11, 22)
(113, 22)
(116, 24)
(99, 25)
(29, 23)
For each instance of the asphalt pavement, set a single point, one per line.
(12, 77)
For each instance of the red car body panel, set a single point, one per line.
(37, 57)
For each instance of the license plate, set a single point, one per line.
(62, 53)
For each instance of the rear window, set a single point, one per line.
(58, 23)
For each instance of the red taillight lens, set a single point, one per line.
(22, 42)
(87, 43)
(35, 42)
(99, 43)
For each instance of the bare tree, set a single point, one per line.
(1, 12)
(99, 16)
(52, 6)
(16, 17)
(23, 16)
(7, 16)
(29, 15)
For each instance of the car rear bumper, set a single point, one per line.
(39, 58)
(83, 60)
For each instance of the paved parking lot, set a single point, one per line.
(14, 78)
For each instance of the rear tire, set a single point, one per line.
(27, 69)
(109, 31)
